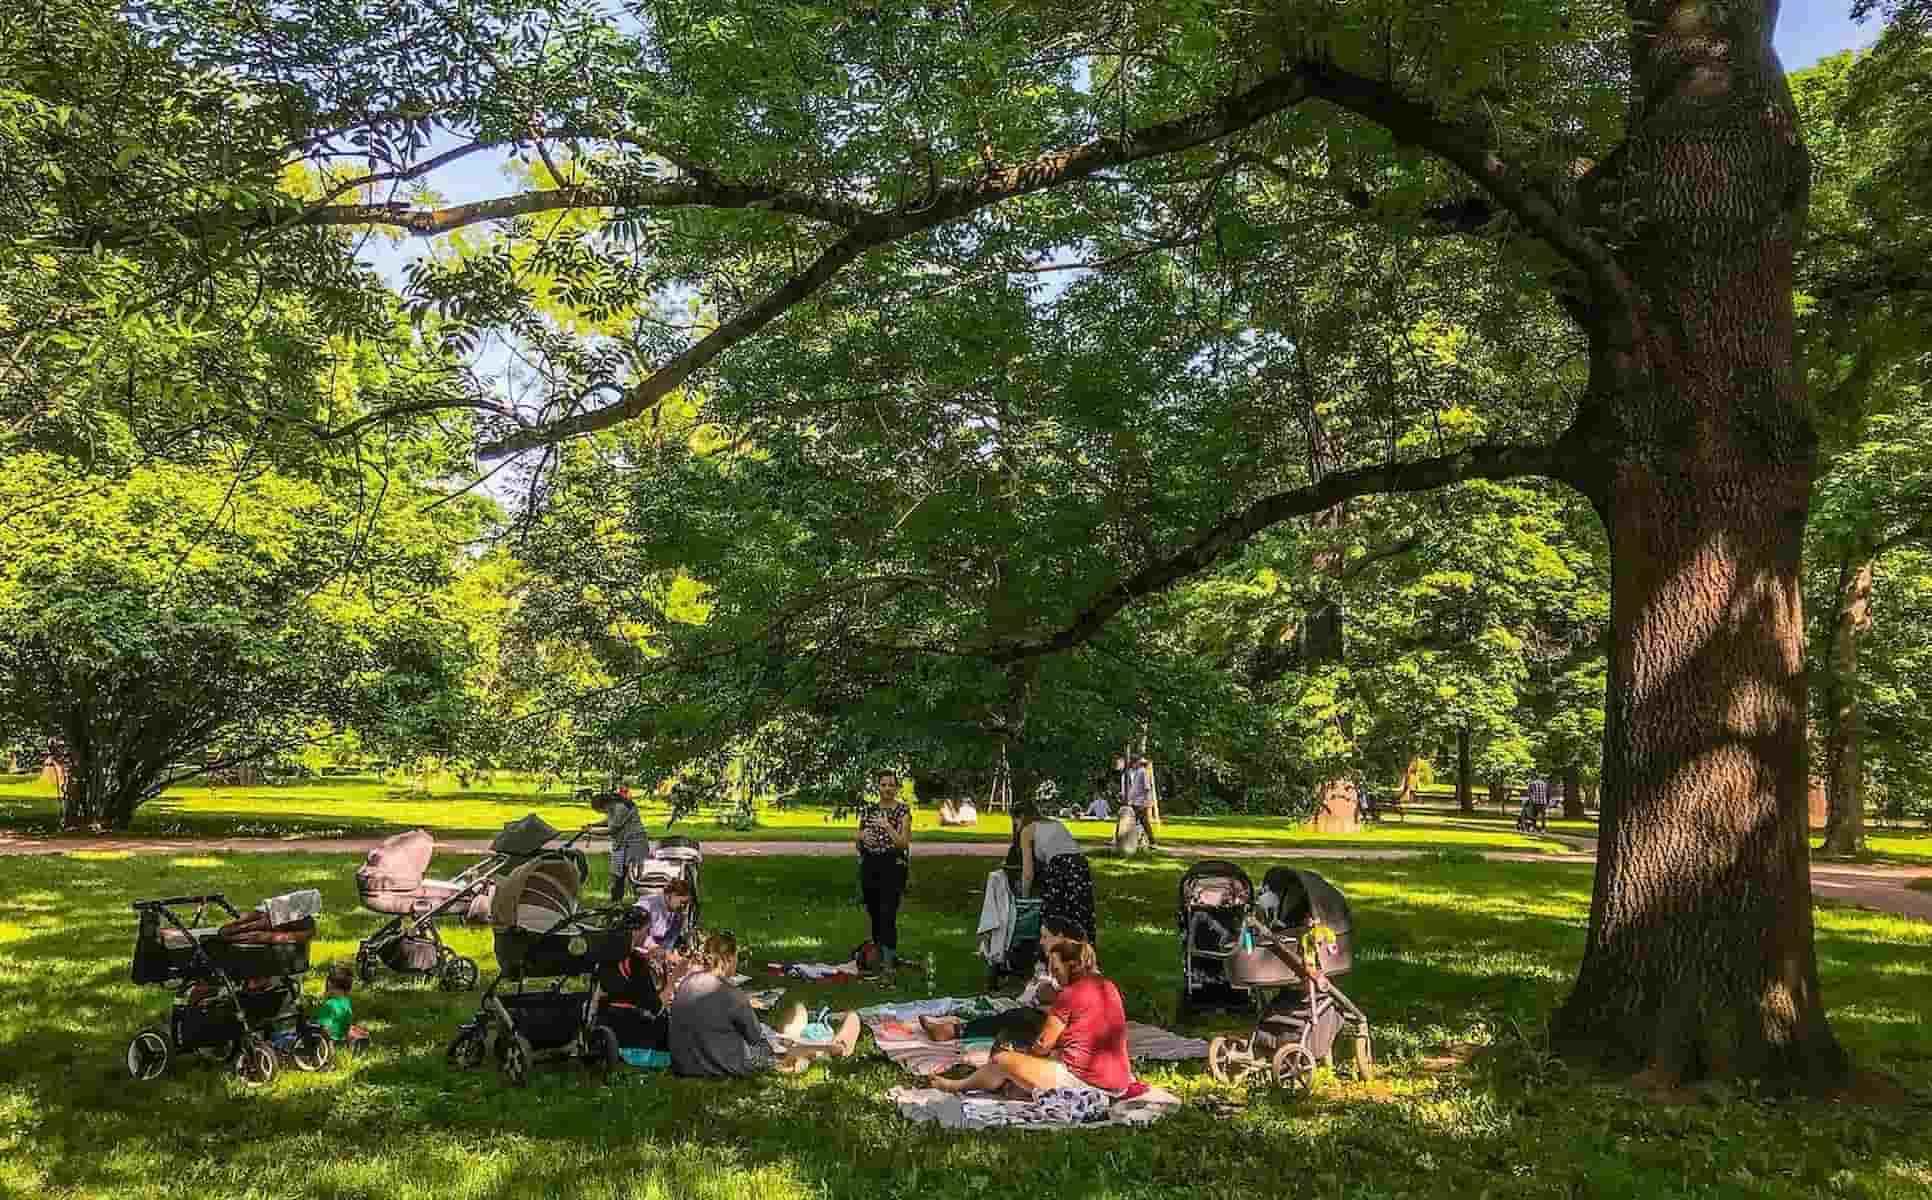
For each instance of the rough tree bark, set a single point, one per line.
(1573, 794)
(1844, 758)
(1465, 784)
(1699, 957)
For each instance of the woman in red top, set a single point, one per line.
(1084, 1043)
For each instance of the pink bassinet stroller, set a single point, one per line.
(393, 880)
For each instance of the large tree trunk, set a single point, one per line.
(1465, 785)
(1699, 957)
(1573, 794)
(1844, 758)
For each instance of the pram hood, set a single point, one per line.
(1215, 883)
(397, 865)
(1306, 899)
(524, 836)
(678, 848)
(537, 896)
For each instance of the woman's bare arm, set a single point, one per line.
(1049, 1036)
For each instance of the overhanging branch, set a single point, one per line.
(947, 204)
(1234, 532)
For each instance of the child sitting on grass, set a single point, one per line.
(336, 1015)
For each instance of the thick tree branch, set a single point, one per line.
(1469, 146)
(433, 221)
(947, 204)
(1233, 533)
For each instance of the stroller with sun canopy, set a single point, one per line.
(1215, 898)
(1294, 943)
(238, 986)
(393, 881)
(542, 934)
(672, 857)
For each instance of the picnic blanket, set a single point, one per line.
(845, 972)
(1056, 1108)
(896, 1029)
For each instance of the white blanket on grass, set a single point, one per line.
(1054, 1109)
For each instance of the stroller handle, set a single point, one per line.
(173, 901)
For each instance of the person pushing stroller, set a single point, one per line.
(630, 842)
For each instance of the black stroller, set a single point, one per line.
(541, 934)
(1215, 898)
(238, 987)
(1298, 939)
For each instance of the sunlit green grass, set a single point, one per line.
(340, 807)
(1450, 952)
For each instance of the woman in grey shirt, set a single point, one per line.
(714, 1031)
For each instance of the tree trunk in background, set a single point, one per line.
(1499, 794)
(1465, 786)
(1573, 794)
(1844, 732)
(1697, 447)
(1324, 643)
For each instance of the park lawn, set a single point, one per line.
(1908, 847)
(1452, 952)
(365, 805)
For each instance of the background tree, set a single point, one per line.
(183, 621)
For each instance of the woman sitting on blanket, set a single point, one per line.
(1013, 1026)
(1083, 1046)
(714, 1032)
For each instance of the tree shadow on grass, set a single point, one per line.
(1447, 952)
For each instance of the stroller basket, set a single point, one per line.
(548, 1019)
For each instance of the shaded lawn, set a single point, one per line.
(1450, 952)
(361, 806)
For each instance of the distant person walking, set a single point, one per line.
(1140, 796)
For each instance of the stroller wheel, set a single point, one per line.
(256, 1064)
(148, 1054)
(1224, 1059)
(602, 1052)
(1295, 1069)
(1364, 1056)
(459, 975)
(514, 1057)
(313, 1051)
(365, 964)
(466, 1051)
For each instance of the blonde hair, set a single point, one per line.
(719, 949)
(1076, 957)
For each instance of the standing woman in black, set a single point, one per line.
(885, 844)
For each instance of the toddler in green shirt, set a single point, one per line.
(336, 1015)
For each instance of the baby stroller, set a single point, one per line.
(541, 934)
(1292, 947)
(673, 857)
(1012, 951)
(238, 987)
(391, 881)
(1215, 898)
